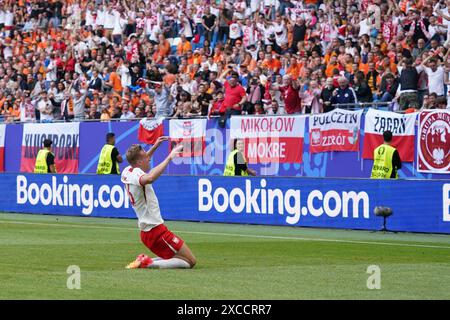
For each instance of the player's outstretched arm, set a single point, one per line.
(157, 171)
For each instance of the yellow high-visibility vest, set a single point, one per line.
(230, 166)
(41, 161)
(382, 162)
(105, 162)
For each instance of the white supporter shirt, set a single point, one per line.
(142, 198)
(108, 20)
(90, 21)
(436, 80)
(2, 17)
(9, 19)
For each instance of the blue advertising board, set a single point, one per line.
(326, 164)
(418, 205)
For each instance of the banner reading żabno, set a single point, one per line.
(65, 147)
(270, 139)
(433, 141)
(337, 130)
(401, 126)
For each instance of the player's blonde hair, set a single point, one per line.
(134, 153)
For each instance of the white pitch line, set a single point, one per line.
(238, 235)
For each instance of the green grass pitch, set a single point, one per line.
(234, 262)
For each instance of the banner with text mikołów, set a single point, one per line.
(65, 146)
(270, 139)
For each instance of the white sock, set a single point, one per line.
(170, 264)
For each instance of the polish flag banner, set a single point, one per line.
(401, 126)
(191, 134)
(2, 147)
(65, 146)
(433, 141)
(270, 139)
(150, 129)
(337, 130)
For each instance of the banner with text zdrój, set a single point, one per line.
(270, 139)
(401, 126)
(191, 134)
(65, 146)
(337, 130)
(434, 141)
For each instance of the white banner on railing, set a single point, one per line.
(65, 147)
(191, 133)
(401, 126)
(270, 139)
(337, 130)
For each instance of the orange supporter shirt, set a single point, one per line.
(169, 79)
(164, 49)
(2, 102)
(273, 65)
(364, 67)
(116, 82)
(252, 65)
(217, 58)
(294, 71)
(330, 68)
(183, 48)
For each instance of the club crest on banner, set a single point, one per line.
(434, 142)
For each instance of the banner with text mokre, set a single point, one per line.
(419, 206)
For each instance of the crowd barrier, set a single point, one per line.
(217, 140)
(418, 205)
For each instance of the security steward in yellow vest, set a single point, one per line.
(236, 164)
(110, 157)
(45, 160)
(386, 160)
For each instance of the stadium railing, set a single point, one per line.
(349, 106)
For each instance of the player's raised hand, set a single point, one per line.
(161, 140)
(176, 152)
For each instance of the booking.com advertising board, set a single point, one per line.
(418, 205)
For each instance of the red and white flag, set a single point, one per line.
(337, 130)
(270, 139)
(401, 126)
(191, 134)
(2, 147)
(150, 130)
(65, 147)
(433, 141)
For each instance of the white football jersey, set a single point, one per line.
(142, 198)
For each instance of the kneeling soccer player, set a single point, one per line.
(170, 249)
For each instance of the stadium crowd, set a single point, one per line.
(98, 59)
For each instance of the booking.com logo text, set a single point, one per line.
(264, 200)
(69, 195)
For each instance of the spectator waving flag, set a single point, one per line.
(150, 130)
(401, 126)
